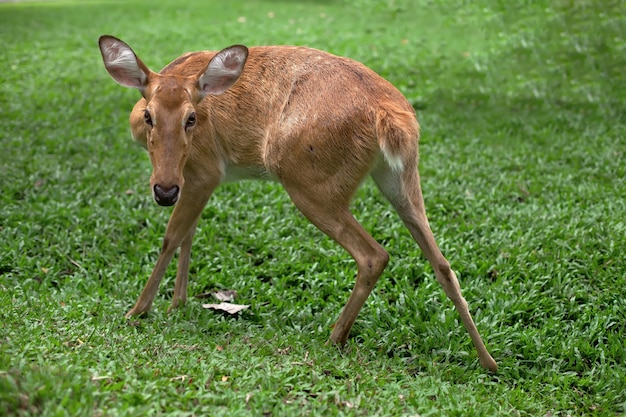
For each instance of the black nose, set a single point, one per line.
(166, 196)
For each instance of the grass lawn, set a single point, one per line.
(522, 107)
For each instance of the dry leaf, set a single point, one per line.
(221, 295)
(225, 295)
(227, 307)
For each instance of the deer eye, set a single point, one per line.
(191, 121)
(147, 118)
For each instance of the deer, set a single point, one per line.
(317, 123)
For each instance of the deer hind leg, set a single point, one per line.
(180, 230)
(332, 216)
(402, 188)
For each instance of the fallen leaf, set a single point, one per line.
(227, 307)
(225, 295)
(221, 295)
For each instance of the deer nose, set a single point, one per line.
(166, 196)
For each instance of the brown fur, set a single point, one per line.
(316, 122)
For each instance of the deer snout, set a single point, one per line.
(166, 196)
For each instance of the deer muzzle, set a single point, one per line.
(166, 195)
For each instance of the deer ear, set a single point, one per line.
(223, 70)
(122, 64)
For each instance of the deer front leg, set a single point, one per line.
(180, 230)
(180, 287)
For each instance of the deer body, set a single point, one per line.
(318, 123)
(267, 117)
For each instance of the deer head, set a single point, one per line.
(169, 116)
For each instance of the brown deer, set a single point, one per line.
(317, 123)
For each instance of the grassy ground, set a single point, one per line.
(522, 110)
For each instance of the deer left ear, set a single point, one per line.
(223, 70)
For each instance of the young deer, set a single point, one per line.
(316, 122)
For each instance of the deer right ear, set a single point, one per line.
(223, 70)
(122, 64)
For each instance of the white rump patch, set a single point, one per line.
(395, 162)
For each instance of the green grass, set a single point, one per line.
(522, 159)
